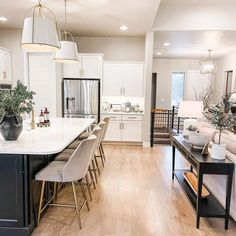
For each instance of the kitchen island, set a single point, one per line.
(20, 160)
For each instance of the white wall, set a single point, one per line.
(164, 69)
(224, 64)
(11, 39)
(114, 48)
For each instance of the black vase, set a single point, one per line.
(11, 127)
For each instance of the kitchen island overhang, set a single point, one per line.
(20, 160)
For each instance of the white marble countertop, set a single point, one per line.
(121, 113)
(50, 140)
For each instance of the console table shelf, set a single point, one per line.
(203, 164)
(210, 205)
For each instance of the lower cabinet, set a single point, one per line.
(124, 128)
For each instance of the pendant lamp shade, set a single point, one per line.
(40, 31)
(67, 53)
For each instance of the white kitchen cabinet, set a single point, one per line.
(133, 80)
(132, 131)
(72, 70)
(89, 66)
(5, 67)
(113, 131)
(112, 79)
(123, 79)
(124, 128)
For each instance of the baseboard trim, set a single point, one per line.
(122, 143)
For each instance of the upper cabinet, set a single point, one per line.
(89, 66)
(123, 79)
(5, 67)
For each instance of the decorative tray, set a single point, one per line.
(192, 180)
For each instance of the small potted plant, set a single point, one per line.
(12, 104)
(216, 115)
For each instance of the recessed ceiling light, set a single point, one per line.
(3, 18)
(166, 44)
(123, 27)
(159, 53)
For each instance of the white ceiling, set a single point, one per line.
(90, 17)
(194, 44)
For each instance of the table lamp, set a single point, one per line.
(190, 110)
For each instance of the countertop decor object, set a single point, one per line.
(40, 32)
(198, 141)
(12, 104)
(221, 120)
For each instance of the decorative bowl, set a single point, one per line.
(198, 140)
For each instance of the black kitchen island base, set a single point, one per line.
(19, 192)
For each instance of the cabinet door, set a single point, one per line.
(42, 80)
(112, 79)
(113, 131)
(133, 80)
(91, 67)
(132, 131)
(5, 68)
(72, 70)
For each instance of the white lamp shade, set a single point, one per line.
(67, 53)
(40, 34)
(190, 109)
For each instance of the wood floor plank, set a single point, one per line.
(135, 197)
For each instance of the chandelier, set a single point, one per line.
(207, 66)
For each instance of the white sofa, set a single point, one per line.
(217, 183)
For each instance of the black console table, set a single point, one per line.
(203, 164)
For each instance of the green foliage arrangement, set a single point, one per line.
(221, 120)
(16, 101)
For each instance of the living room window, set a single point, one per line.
(177, 92)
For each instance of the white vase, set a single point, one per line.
(218, 151)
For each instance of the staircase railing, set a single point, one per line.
(165, 119)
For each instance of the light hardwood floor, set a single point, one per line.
(135, 197)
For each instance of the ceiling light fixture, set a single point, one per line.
(3, 18)
(166, 44)
(68, 51)
(124, 28)
(207, 66)
(40, 32)
(159, 53)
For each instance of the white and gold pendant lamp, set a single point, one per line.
(207, 66)
(68, 51)
(40, 32)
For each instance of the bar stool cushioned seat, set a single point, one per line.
(74, 145)
(65, 154)
(52, 171)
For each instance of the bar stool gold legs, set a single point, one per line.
(92, 177)
(84, 194)
(88, 186)
(41, 201)
(76, 205)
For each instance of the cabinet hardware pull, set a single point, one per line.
(123, 125)
(132, 117)
(123, 90)
(120, 90)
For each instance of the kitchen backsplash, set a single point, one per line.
(109, 100)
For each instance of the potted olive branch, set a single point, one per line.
(221, 120)
(13, 103)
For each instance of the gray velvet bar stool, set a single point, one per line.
(71, 171)
(64, 156)
(101, 150)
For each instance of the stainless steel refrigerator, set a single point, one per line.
(81, 98)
